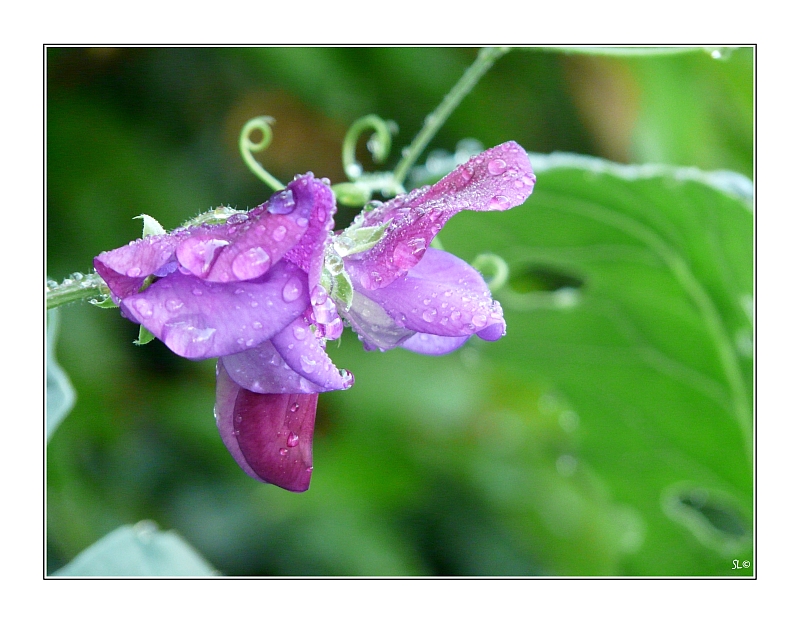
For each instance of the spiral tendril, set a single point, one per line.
(247, 148)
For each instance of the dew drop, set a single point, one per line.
(251, 263)
(279, 233)
(283, 452)
(466, 174)
(143, 307)
(479, 320)
(428, 315)
(500, 202)
(307, 364)
(253, 303)
(496, 167)
(292, 440)
(281, 203)
(257, 325)
(134, 272)
(292, 290)
(299, 333)
(294, 407)
(173, 305)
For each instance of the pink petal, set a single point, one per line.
(498, 179)
(269, 435)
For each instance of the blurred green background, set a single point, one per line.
(604, 435)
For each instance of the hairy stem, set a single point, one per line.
(486, 58)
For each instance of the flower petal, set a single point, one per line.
(373, 325)
(427, 344)
(125, 269)
(305, 353)
(198, 319)
(248, 245)
(269, 435)
(498, 179)
(442, 295)
(309, 252)
(263, 370)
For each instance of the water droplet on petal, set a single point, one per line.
(279, 233)
(307, 364)
(294, 407)
(251, 263)
(428, 315)
(479, 320)
(496, 167)
(500, 202)
(134, 272)
(173, 305)
(299, 333)
(197, 292)
(143, 307)
(257, 325)
(466, 174)
(292, 290)
(292, 440)
(283, 452)
(281, 203)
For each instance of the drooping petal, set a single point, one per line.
(375, 328)
(309, 252)
(198, 319)
(248, 245)
(125, 269)
(262, 370)
(497, 179)
(427, 344)
(269, 435)
(305, 353)
(441, 295)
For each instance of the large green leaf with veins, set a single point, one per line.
(631, 295)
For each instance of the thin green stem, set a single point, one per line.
(486, 58)
(76, 288)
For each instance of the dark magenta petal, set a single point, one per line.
(249, 244)
(269, 435)
(309, 252)
(263, 370)
(125, 269)
(426, 344)
(304, 352)
(198, 319)
(441, 295)
(497, 179)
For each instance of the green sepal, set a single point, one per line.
(145, 337)
(358, 239)
(151, 227)
(104, 303)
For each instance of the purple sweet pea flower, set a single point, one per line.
(426, 300)
(240, 291)
(264, 291)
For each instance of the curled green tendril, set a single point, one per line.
(494, 268)
(248, 147)
(379, 144)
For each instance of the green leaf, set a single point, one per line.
(60, 394)
(630, 294)
(140, 550)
